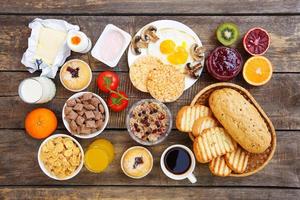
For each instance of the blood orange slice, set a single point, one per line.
(257, 70)
(256, 41)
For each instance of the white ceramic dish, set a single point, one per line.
(96, 53)
(42, 166)
(162, 24)
(90, 72)
(122, 158)
(92, 134)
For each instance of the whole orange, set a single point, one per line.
(40, 123)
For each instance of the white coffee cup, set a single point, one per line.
(188, 174)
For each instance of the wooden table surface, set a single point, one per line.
(20, 175)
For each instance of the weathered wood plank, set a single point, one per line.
(19, 166)
(153, 193)
(285, 34)
(150, 7)
(279, 98)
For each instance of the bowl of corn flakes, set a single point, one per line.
(60, 157)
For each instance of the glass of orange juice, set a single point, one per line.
(99, 155)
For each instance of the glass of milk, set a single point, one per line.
(37, 90)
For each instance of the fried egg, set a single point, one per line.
(173, 47)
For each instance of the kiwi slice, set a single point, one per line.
(227, 33)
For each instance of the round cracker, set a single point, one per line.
(165, 83)
(139, 71)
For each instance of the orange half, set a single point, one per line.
(257, 70)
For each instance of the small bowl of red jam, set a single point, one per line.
(224, 63)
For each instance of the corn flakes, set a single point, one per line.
(61, 156)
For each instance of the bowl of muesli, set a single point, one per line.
(149, 122)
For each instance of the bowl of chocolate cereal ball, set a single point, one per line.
(85, 115)
(149, 122)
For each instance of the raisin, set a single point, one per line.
(74, 72)
(137, 161)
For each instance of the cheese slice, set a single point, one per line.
(49, 43)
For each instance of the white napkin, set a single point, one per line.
(28, 58)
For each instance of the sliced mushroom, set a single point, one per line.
(137, 44)
(149, 34)
(194, 69)
(197, 52)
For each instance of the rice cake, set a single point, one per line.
(165, 83)
(139, 70)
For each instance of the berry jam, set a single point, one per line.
(224, 63)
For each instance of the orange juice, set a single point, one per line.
(99, 155)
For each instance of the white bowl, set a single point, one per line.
(90, 72)
(42, 166)
(122, 160)
(92, 134)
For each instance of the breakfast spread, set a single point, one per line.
(149, 122)
(99, 155)
(137, 162)
(228, 128)
(85, 114)
(75, 75)
(37, 90)
(60, 156)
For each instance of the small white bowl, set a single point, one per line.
(122, 160)
(42, 166)
(90, 72)
(100, 44)
(92, 134)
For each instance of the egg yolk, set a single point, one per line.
(75, 40)
(167, 46)
(176, 55)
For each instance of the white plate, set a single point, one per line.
(92, 134)
(168, 24)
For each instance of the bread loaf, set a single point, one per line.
(241, 120)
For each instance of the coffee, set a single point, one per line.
(177, 160)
